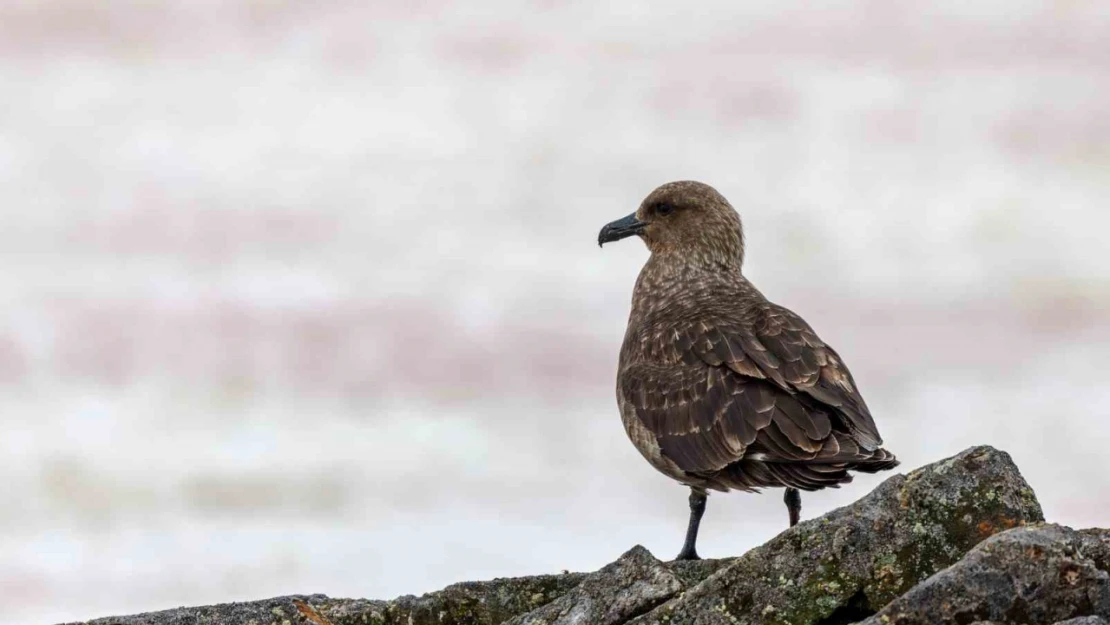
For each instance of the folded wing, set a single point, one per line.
(722, 397)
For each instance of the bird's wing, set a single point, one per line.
(713, 389)
(781, 348)
(705, 417)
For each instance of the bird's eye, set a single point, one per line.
(664, 209)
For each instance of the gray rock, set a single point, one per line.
(477, 603)
(692, 572)
(468, 603)
(843, 566)
(279, 610)
(1037, 574)
(632, 585)
(834, 570)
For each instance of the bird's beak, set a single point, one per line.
(620, 229)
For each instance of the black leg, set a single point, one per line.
(697, 508)
(793, 501)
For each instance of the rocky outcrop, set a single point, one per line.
(468, 603)
(632, 585)
(1041, 574)
(847, 564)
(958, 541)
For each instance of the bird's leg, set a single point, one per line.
(793, 501)
(697, 508)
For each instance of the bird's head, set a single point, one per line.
(688, 219)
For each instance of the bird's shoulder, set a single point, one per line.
(672, 319)
(753, 338)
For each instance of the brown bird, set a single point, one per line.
(719, 388)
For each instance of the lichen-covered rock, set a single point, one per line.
(834, 570)
(478, 603)
(692, 572)
(854, 560)
(1036, 574)
(632, 585)
(468, 603)
(277, 611)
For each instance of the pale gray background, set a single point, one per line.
(305, 297)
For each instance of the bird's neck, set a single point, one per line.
(675, 284)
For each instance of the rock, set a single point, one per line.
(477, 603)
(842, 567)
(834, 570)
(1037, 574)
(632, 585)
(692, 572)
(468, 603)
(278, 610)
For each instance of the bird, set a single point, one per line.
(719, 388)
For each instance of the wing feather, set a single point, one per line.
(781, 347)
(759, 403)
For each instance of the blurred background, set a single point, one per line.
(306, 297)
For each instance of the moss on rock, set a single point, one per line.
(1034, 574)
(867, 553)
(833, 570)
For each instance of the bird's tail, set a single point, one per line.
(880, 460)
(831, 467)
(841, 448)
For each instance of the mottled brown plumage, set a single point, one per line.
(719, 388)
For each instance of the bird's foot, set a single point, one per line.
(688, 554)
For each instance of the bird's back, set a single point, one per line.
(720, 388)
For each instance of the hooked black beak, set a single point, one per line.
(620, 229)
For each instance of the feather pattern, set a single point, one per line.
(720, 388)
